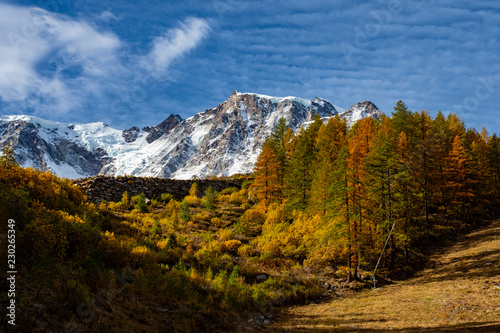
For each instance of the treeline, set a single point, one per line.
(332, 193)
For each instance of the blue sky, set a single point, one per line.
(128, 63)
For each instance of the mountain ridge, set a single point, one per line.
(221, 141)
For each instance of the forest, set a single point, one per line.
(332, 193)
(317, 211)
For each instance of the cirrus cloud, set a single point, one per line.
(174, 43)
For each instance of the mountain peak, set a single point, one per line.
(223, 140)
(368, 105)
(361, 110)
(164, 127)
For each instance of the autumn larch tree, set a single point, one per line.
(267, 175)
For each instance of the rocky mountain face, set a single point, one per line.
(361, 110)
(221, 141)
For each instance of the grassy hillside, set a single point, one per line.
(459, 291)
(156, 265)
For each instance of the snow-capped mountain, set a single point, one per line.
(221, 141)
(361, 110)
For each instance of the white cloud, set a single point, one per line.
(107, 16)
(174, 44)
(56, 66)
(31, 38)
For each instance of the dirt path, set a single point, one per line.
(459, 292)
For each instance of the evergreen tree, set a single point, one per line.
(281, 140)
(339, 208)
(299, 176)
(493, 148)
(7, 159)
(402, 119)
(359, 147)
(267, 175)
(331, 138)
(459, 180)
(423, 160)
(382, 166)
(193, 191)
(209, 198)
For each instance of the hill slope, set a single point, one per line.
(458, 292)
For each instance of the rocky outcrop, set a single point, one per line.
(361, 110)
(111, 189)
(131, 134)
(164, 127)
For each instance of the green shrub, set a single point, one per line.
(156, 229)
(166, 197)
(184, 213)
(141, 204)
(209, 199)
(154, 202)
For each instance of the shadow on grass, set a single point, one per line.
(477, 264)
(484, 264)
(350, 325)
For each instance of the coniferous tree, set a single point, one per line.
(267, 173)
(299, 175)
(382, 169)
(493, 148)
(280, 138)
(359, 147)
(422, 162)
(459, 180)
(331, 138)
(7, 159)
(339, 208)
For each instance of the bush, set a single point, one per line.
(156, 229)
(229, 190)
(184, 213)
(225, 234)
(209, 198)
(141, 204)
(246, 251)
(231, 246)
(135, 199)
(252, 221)
(114, 206)
(192, 200)
(166, 197)
(236, 198)
(201, 218)
(216, 222)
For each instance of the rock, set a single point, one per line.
(164, 127)
(262, 277)
(131, 134)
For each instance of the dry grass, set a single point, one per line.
(458, 292)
